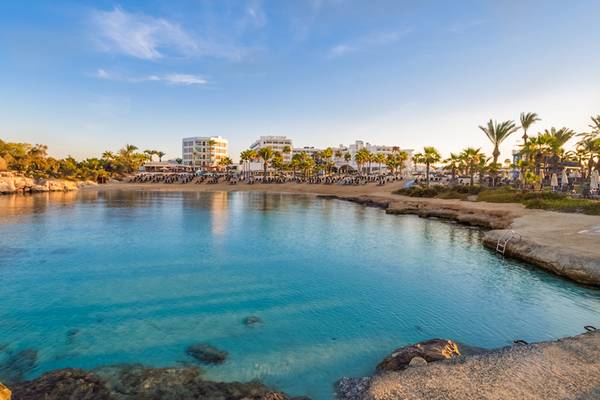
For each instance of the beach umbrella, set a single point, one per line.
(594, 181)
(564, 179)
(554, 181)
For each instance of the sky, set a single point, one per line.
(86, 76)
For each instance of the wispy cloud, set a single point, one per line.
(465, 26)
(375, 39)
(141, 36)
(171, 79)
(151, 38)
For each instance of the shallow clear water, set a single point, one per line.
(144, 275)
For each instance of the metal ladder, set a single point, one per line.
(505, 239)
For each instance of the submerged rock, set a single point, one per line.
(17, 365)
(429, 350)
(206, 353)
(137, 382)
(71, 334)
(252, 321)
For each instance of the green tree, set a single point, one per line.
(266, 154)
(528, 119)
(453, 164)
(429, 157)
(497, 133)
(472, 159)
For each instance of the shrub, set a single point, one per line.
(421, 191)
(591, 207)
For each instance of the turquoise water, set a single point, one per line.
(338, 286)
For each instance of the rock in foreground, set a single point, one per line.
(136, 382)
(429, 350)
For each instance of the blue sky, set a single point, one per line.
(84, 76)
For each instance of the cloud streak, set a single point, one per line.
(176, 79)
(375, 39)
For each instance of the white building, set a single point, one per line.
(311, 151)
(352, 149)
(204, 152)
(277, 143)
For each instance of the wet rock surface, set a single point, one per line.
(206, 353)
(429, 350)
(137, 382)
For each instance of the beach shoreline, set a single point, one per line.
(561, 243)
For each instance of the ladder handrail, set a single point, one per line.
(506, 237)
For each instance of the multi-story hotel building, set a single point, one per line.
(204, 152)
(277, 143)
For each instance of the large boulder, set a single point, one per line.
(430, 350)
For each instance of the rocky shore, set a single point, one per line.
(563, 369)
(564, 244)
(137, 382)
(11, 183)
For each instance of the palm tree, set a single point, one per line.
(472, 158)
(595, 125)
(453, 164)
(266, 153)
(429, 156)
(528, 119)
(379, 158)
(225, 162)
(150, 153)
(160, 155)
(361, 157)
(246, 158)
(497, 133)
(589, 147)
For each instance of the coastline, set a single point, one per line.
(564, 244)
(566, 368)
(517, 371)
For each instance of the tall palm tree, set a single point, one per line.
(472, 158)
(528, 119)
(429, 157)
(453, 164)
(497, 133)
(595, 125)
(160, 155)
(266, 154)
